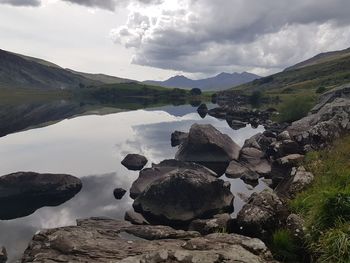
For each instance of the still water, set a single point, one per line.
(91, 148)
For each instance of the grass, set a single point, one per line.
(284, 246)
(326, 204)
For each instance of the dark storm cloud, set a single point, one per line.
(21, 2)
(207, 36)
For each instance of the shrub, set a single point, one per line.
(295, 109)
(256, 98)
(284, 246)
(195, 92)
(321, 90)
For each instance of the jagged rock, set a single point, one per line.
(182, 196)
(134, 162)
(295, 224)
(3, 255)
(208, 146)
(328, 120)
(22, 193)
(297, 181)
(280, 149)
(119, 193)
(135, 218)
(102, 240)
(263, 213)
(236, 125)
(282, 167)
(218, 224)
(178, 137)
(202, 110)
(259, 141)
(255, 160)
(283, 136)
(238, 170)
(157, 171)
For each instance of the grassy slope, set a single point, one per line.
(326, 204)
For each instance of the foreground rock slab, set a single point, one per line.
(208, 146)
(134, 162)
(22, 193)
(104, 240)
(184, 195)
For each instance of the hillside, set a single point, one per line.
(105, 79)
(325, 70)
(219, 82)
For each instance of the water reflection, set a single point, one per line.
(92, 147)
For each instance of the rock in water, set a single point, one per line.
(134, 162)
(149, 175)
(178, 137)
(208, 146)
(184, 195)
(119, 193)
(103, 241)
(3, 255)
(22, 193)
(202, 110)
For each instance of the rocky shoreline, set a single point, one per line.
(182, 206)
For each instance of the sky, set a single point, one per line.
(157, 39)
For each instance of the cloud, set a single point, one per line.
(211, 36)
(110, 4)
(21, 2)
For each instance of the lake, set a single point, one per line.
(91, 147)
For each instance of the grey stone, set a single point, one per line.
(134, 162)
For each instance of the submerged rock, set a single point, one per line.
(103, 240)
(182, 196)
(208, 146)
(157, 171)
(22, 193)
(178, 137)
(119, 193)
(134, 162)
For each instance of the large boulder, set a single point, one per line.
(263, 213)
(182, 196)
(255, 160)
(157, 171)
(328, 120)
(102, 240)
(208, 146)
(134, 162)
(22, 193)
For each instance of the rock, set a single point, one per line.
(280, 149)
(119, 193)
(238, 170)
(282, 167)
(283, 136)
(135, 218)
(182, 196)
(263, 213)
(269, 134)
(157, 171)
(295, 224)
(22, 193)
(255, 160)
(219, 113)
(259, 141)
(296, 182)
(102, 240)
(236, 125)
(178, 137)
(3, 255)
(134, 162)
(328, 120)
(207, 146)
(218, 224)
(202, 110)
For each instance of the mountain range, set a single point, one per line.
(221, 81)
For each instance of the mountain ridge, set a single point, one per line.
(221, 81)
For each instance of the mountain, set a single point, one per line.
(219, 82)
(324, 70)
(20, 71)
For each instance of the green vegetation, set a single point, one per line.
(326, 204)
(255, 98)
(284, 246)
(321, 90)
(295, 108)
